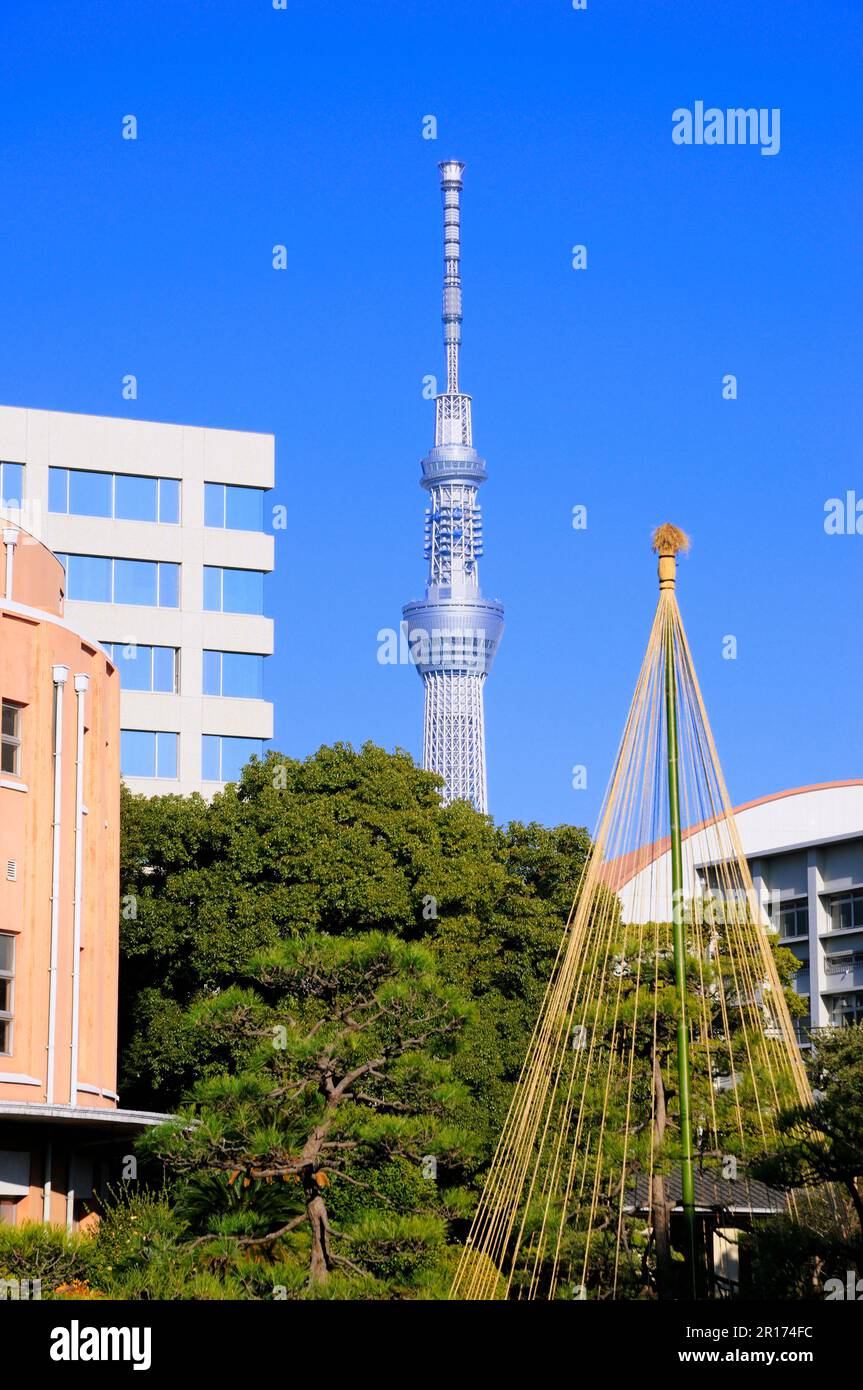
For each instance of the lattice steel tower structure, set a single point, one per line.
(454, 632)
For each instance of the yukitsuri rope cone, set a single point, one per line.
(664, 1047)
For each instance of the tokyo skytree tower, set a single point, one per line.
(453, 633)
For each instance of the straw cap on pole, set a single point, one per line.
(668, 540)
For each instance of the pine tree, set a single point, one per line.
(824, 1143)
(631, 1097)
(334, 1140)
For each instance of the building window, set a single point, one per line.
(846, 1009)
(846, 910)
(146, 753)
(234, 508)
(136, 581)
(223, 758)
(10, 745)
(239, 675)
(791, 918)
(145, 668)
(233, 591)
(88, 577)
(802, 1029)
(11, 485)
(7, 984)
(100, 579)
(146, 499)
(121, 496)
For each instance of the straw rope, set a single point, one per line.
(558, 1216)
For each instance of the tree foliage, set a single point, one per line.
(334, 1143)
(824, 1144)
(342, 843)
(344, 858)
(622, 1069)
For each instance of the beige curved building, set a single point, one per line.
(59, 889)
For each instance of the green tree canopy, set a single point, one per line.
(824, 1144)
(344, 842)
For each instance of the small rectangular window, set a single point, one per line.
(7, 989)
(212, 673)
(10, 747)
(242, 591)
(214, 504)
(846, 1010)
(236, 752)
(842, 913)
(169, 585)
(233, 591)
(148, 753)
(210, 757)
(135, 581)
(144, 668)
(169, 501)
(223, 756)
(242, 675)
(132, 662)
(792, 918)
(90, 494)
(88, 578)
(212, 589)
(238, 675)
(11, 485)
(244, 508)
(137, 753)
(165, 670)
(166, 755)
(235, 507)
(58, 490)
(136, 498)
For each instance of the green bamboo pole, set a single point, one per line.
(687, 1170)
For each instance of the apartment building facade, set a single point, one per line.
(164, 533)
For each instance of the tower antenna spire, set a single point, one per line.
(451, 185)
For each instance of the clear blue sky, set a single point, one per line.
(601, 387)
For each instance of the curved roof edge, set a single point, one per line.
(616, 873)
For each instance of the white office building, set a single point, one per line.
(161, 529)
(805, 852)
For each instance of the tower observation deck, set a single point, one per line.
(454, 632)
